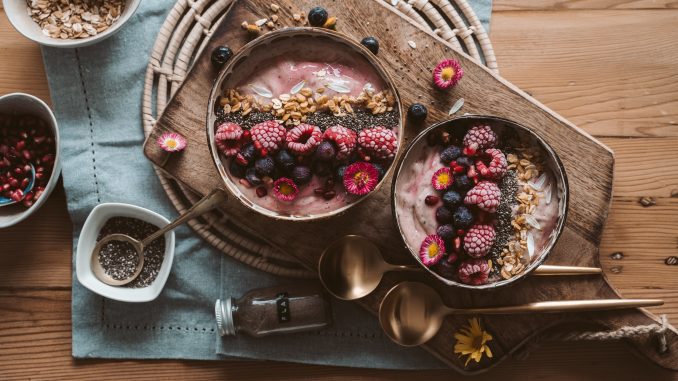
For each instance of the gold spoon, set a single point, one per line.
(411, 313)
(352, 267)
(205, 205)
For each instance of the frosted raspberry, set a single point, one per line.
(432, 250)
(227, 138)
(343, 138)
(496, 168)
(474, 271)
(270, 135)
(480, 137)
(478, 240)
(303, 139)
(378, 142)
(486, 195)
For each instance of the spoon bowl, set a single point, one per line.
(100, 272)
(4, 201)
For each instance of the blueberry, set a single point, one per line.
(462, 183)
(443, 215)
(380, 170)
(285, 160)
(446, 232)
(301, 175)
(264, 166)
(317, 16)
(464, 161)
(248, 152)
(325, 151)
(446, 268)
(339, 172)
(321, 168)
(372, 44)
(463, 218)
(451, 199)
(251, 176)
(237, 170)
(449, 154)
(417, 112)
(221, 55)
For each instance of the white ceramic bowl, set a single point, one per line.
(24, 24)
(88, 237)
(19, 103)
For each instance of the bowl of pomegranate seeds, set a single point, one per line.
(303, 124)
(29, 156)
(480, 201)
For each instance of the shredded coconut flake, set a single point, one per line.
(260, 90)
(338, 87)
(298, 87)
(412, 44)
(456, 106)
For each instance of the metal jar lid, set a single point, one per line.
(224, 315)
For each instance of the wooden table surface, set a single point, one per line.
(610, 66)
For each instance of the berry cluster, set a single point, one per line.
(269, 156)
(25, 141)
(466, 200)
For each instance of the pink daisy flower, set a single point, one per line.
(447, 73)
(285, 189)
(172, 142)
(442, 179)
(360, 178)
(432, 250)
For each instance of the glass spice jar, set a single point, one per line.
(274, 310)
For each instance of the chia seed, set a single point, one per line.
(119, 259)
(503, 228)
(357, 121)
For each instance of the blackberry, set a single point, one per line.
(462, 183)
(251, 177)
(264, 166)
(463, 218)
(221, 55)
(237, 170)
(450, 153)
(452, 199)
(285, 160)
(301, 175)
(371, 44)
(464, 161)
(417, 112)
(248, 152)
(443, 215)
(326, 151)
(317, 16)
(446, 232)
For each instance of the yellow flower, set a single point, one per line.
(472, 341)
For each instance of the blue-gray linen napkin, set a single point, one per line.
(96, 92)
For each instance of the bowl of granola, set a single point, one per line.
(480, 201)
(68, 23)
(303, 136)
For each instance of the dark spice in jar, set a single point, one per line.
(119, 259)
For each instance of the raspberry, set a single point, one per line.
(496, 168)
(478, 240)
(343, 138)
(486, 195)
(303, 139)
(379, 142)
(474, 271)
(269, 135)
(432, 250)
(480, 137)
(227, 138)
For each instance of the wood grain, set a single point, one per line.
(533, 5)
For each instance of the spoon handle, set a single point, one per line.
(566, 270)
(561, 306)
(209, 202)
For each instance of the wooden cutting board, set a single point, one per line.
(588, 163)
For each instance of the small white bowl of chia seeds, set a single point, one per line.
(138, 223)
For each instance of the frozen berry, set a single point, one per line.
(464, 161)
(446, 267)
(284, 160)
(443, 215)
(442, 179)
(474, 271)
(449, 154)
(417, 112)
(221, 55)
(463, 218)
(479, 240)
(303, 139)
(480, 138)
(452, 199)
(248, 152)
(432, 250)
(317, 16)
(321, 168)
(264, 166)
(325, 151)
(237, 170)
(378, 142)
(344, 140)
(269, 135)
(371, 44)
(252, 177)
(227, 138)
(446, 232)
(486, 195)
(492, 164)
(301, 174)
(261, 192)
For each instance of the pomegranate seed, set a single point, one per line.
(461, 232)
(469, 151)
(431, 200)
(47, 159)
(5, 186)
(27, 154)
(458, 169)
(28, 203)
(29, 196)
(39, 139)
(261, 192)
(18, 170)
(245, 183)
(14, 183)
(246, 136)
(263, 152)
(241, 159)
(21, 144)
(40, 169)
(319, 191)
(17, 195)
(457, 244)
(472, 172)
(258, 145)
(329, 195)
(24, 183)
(27, 168)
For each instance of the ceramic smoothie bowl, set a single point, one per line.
(480, 201)
(303, 124)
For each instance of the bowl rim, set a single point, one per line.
(560, 225)
(56, 171)
(13, 17)
(295, 32)
(91, 228)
